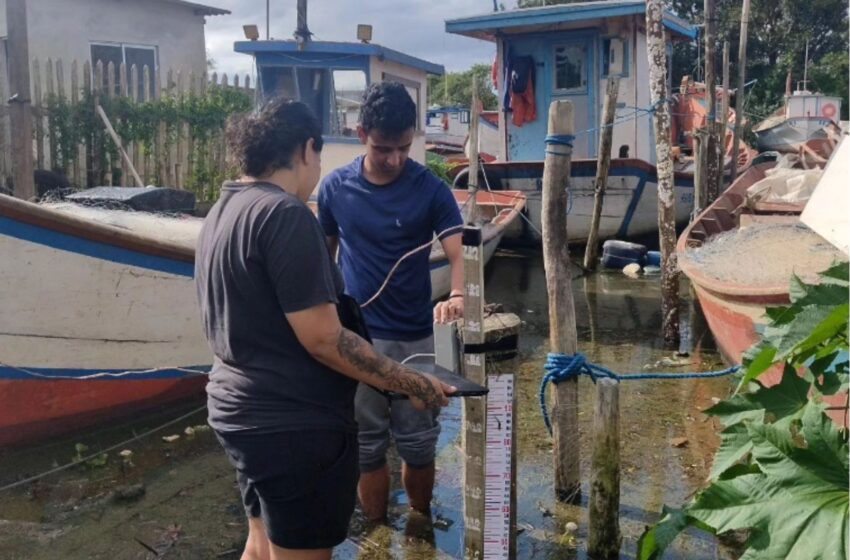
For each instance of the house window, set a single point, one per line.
(130, 55)
(615, 54)
(571, 67)
(413, 89)
(464, 117)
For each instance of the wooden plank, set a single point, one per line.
(657, 57)
(38, 114)
(135, 149)
(79, 161)
(603, 162)
(20, 110)
(739, 93)
(168, 138)
(62, 94)
(123, 92)
(562, 325)
(147, 163)
(53, 149)
(98, 161)
(475, 408)
(88, 177)
(190, 143)
(472, 178)
(179, 165)
(4, 127)
(159, 138)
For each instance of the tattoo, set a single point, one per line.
(394, 376)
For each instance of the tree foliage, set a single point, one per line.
(781, 472)
(776, 45)
(459, 88)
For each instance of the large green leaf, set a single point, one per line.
(784, 399)
(798, 507)
(657, 538)
(735, 443)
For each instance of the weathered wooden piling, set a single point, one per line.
(472, 180)
(562, 322)
(712, 172)
(657, 55)
(603, 162)
(724, 119)
(604, 531)
(739, 92)
(20, 111)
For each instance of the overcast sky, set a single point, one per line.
(415, 27)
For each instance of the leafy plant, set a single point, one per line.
(781, 472)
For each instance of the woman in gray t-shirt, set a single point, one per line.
(281, 390)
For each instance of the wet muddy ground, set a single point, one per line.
(178, 500)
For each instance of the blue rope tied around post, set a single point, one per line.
(559, 140)
(561, 367)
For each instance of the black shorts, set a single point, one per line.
(303, 484)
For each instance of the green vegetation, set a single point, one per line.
(781, 472)
(460, 88)
(203, 118)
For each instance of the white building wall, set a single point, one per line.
(64, 29)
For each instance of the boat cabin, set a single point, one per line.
(567, 52)
(331, 78)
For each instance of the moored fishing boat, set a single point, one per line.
(740, 255)
(100, 316)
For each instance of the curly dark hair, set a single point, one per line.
(388, 108)
(267, 140)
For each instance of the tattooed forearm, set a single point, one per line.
(384, 371)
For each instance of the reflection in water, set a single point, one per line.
(190, 484)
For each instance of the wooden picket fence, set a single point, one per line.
(173, 161)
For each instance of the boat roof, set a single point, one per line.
(303, 51)
(488, 26)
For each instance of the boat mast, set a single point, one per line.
(302, 34)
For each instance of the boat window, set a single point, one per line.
(279, 81)
(571, 67)
(464, 117)
(348, 89)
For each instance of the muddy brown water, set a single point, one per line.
(178, 499)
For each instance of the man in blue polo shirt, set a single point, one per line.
(374, 211)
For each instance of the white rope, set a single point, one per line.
(412, 356)
(104, 374)
(493, 198)
(101, 452)
(405, 256)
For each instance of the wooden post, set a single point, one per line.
(657, 54)
(472, 180)
(562, 321)
(724, 119)
(603, 162)
(20, 111)
(122, 92)
(475, 408)
(711, 171)
(604, 530)
(699, 137)
(38, 111)
(78, 170)
(739, 93)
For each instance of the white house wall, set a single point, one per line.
(65, 29)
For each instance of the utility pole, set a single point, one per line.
(20, 112)
(657, 55)
(268, 26)
(739, 93)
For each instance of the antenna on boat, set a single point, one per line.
(302, 34)
(806, 68)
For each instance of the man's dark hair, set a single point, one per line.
(387, 108)
(267, 140)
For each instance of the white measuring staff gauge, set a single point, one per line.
(497, 469)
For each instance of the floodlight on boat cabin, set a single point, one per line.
(364, 32)
(251, 32)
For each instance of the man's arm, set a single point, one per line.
(332, 241)
(452, 308)
(319, 331)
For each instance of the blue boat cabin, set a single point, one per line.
(567, 52)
